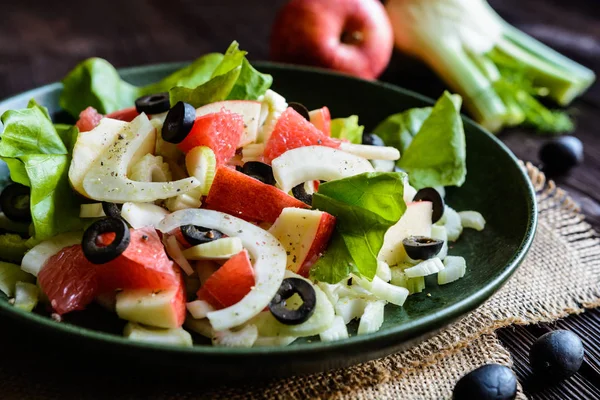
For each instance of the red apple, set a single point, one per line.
(238, 194)
(351, 36)
(230, 283)
(304, 234)
(321, 118)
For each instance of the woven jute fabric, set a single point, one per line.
(560, 276)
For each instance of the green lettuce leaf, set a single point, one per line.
(37, 155)
(96, 83)
(437, 154)
(347, 128)
(234, 79)
(365, 206)
(399, 129)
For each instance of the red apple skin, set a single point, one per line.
(238, 194)
(310, 32)
(319, 243)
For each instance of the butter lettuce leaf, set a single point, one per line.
(436, 156)
(399, 129)
(347, 128)
(365, 206)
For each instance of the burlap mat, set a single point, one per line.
(560, 276)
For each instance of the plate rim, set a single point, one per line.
(409, 330)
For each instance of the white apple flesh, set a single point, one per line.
(162, 309)
(416, 221)
(249, 110)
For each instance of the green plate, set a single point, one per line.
(496, 186)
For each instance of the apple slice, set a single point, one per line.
(107, 179)
(89, 147)
(321, 118)
(162, 309)
(249, 110)
(416, 221)
(238, 194)
(314, 163)
(304, 234)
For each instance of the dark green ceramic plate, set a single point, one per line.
(496, 186)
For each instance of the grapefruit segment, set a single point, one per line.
(126, 114)
(220, 131)
(88, 119)
(293, 131)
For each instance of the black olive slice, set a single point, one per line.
(153, 103)
(98, 254)
(14, 202)
(300, 109)
(112, 209)
(196, 235)
(288, 288)
(299, 193)
(432, 195)
(179, 122)
(260, 171)
(421, 247)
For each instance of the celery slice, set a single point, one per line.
(472, 219)
(201, 163)
(337, 331)
(245, 337)
(372, 318)
(455, 268)
(26, 296)
(150, 168)
(350, 308)
(220, 249)
(141, 333)
(425, 268)
(451, 220)
(413, 285)
(440, 233)
(383, 271)
(10, 274)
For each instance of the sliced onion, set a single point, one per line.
(174, 251)
(268, 254)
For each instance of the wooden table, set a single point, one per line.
(41, 41)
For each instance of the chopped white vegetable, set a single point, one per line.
(34, 259)
(383, 165)
(413, 285)
(253, 152)
(273, 105)
(139, 215)
(201, 163)
(372, 318)
(199, 308)
(174, 251)
(107, 179)
(440, 233)
(313, 163)
(451, 220)
(26, 296)
(245, 337)
(267, 253)
(472, 219)
(350, 308)
(220, 249)
(383, 271)
(190, 199)
(141, 333)
(384, 291)
(425, 268)
(371, 152)
(93, 210)
(337, 331)
(150, 168)
(199, 326)
(330, 290)
(455, 268)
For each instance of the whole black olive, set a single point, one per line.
(489, 382)
(196, 235)
(153, 103)
(288, 288)
(98, 254)
(178, 122)
(556, 355)
(561, 154)
(437, 203)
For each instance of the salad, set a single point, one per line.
(207, 203)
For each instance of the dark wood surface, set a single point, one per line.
(40, 41)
